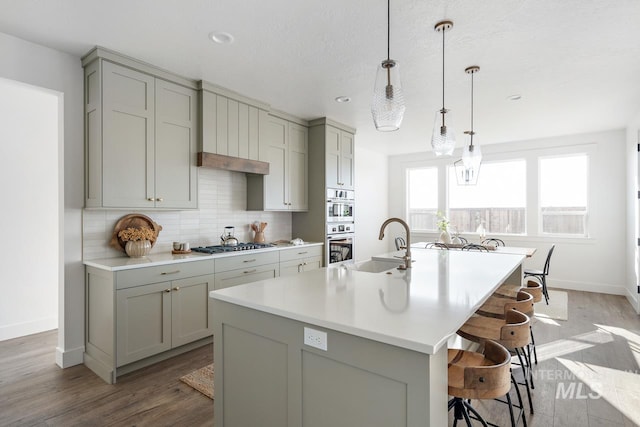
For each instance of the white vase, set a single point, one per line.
(445, 237)
(137, 248)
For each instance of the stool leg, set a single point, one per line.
(520, 402)
(529, 365)
(526, 379)
(513, 420)
(533, 344)
(475, 413)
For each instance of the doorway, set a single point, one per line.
(31, 220)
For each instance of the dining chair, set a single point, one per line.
(474, 247)
(493, 241)
(541, 275)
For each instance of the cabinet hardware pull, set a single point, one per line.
(302, 253)
(164, 273)
(177, 288)
(159, 199)
(249, 260)
(167, 290)
(150, 199)
(249, 271)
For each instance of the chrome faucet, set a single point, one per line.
(407, 255)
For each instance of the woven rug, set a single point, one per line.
(557, 309)
(201, 379)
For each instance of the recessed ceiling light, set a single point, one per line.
(342, 99)
(515, 97)
(221, 37)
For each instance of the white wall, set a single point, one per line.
(29, 171)
(633, 214)
(222, 201)
(40, 66)
(593, 264)
(371, 207)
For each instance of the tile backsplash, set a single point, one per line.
(222, 199)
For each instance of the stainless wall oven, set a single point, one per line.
(340, 205)
(340, 248)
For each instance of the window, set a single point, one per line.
(563, 194)
(422, 198)
(497, 202)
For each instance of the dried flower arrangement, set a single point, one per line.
(135, 234)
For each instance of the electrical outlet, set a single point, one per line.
(314, 338)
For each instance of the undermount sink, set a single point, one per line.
(375, 266)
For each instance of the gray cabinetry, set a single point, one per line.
(339, 157)
(232, 125)
(240, 269)
(139, 316)
(286, 148)
(140, 133)
(298, 260)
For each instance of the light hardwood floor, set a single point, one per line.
(599, 346)
(589, 367)
(35, 392)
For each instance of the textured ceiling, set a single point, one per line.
(574, 62)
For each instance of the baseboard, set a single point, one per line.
(601, 288)
(68, 358)
(632, 297)
(17, 330)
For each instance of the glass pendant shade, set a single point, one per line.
(443, 139)
(388, 106)
(465, 175)
(472, 156)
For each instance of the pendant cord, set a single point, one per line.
(388, 29)
(443, 31)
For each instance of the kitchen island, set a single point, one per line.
(342, 347)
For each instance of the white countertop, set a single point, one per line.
(126, 263)
(418, 309)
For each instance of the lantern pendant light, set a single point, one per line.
(468, 168)
(388, 107)
(443, 139)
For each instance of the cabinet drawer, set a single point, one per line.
(245, 275)
(163, 273)
(237, 262)
(300, 252)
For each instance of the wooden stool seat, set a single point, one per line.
(511, 291)
(479, 376)
(512, 331)
(497, 306)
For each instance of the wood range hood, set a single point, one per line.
(219, 161)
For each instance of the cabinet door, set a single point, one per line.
(312, 263)
(190, 311)
(332, 140)
(143, 322)
(127, 138)
(248, 275)
(175, 147)
(346, 160)
(291, 268)
(276, 191)
(298, 167)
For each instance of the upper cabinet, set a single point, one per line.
(140, 135)
(339, 158)
(232, 124)
(286, 148)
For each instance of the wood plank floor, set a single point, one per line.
(598, 347)
(35, 392)
(588, 372)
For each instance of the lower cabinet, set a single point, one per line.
(298, 260)
(140, 316)
(241, 269)
(158, 317)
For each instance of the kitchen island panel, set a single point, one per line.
(262, 363)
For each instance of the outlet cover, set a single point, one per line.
(315, 338)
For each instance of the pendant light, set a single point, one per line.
(388, 107)
(443, 139)
(468, 168)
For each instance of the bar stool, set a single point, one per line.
(512, 332)
(497, 306)
(478, 376)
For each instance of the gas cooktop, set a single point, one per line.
(239, 247)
